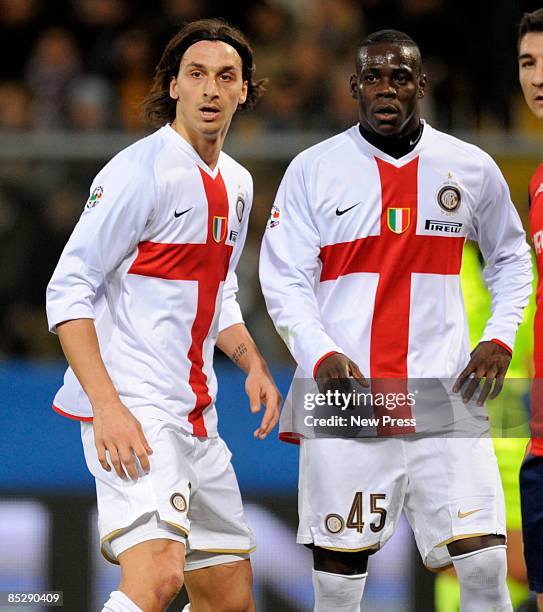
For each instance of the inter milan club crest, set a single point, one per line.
(219, 228)
(178, 501)
(240, 207)
(398, 219)
(95, 197)
(449, 198)
(334, 523)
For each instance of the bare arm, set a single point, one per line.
(236, 342)
(115, 428)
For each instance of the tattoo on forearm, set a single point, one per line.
(238, 353)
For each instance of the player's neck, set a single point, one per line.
(395, 146)
(208, 148)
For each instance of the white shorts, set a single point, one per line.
(352, 492)
(190, 494)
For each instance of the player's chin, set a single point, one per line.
(387, 128)
(209, 128)
(537, 110)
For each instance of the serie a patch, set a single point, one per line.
(95, 197)
(275, 216)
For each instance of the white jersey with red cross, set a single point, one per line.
(362, 255)
(152, 260)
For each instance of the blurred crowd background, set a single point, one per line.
(73, 73)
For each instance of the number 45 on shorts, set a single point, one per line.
(355, 520)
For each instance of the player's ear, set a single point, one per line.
(353, 86)
(423, 80)
(173, 88)
(243, 95)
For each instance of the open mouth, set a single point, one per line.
(209, 113)
(386, 113)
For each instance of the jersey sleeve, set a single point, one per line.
(289, 268)
(230, 309)
(502, 241)
(119, 207)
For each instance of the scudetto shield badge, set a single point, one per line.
(219, 228)
(398, 219)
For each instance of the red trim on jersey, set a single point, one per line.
(503, 345)
(207, 264)
(289, 436)
(316, 366)
(395, 257)
(71, 416)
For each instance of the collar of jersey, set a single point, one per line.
(182, 144)
(373, 151)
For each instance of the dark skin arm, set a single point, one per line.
(490, 361)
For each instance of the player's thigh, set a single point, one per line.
(221, 587)
(454, 493)
(350, 492)
(164, 491)
(216, 511)
(152, 563)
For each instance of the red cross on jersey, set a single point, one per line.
(364, 255)
(152, 261)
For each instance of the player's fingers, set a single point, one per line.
(463, 377)
(253, 388)
(102, 459)
(129, 463)
(471, 387)
(146, 445)
(254, 402)
(490, 378)
(498, 386)
(271, 416)
(266, 426)
(116, 462)
(357, 374)
(141, 454)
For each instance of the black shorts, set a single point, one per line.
(531, 495)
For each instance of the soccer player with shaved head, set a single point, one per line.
(143, 292)
(530, 61)
(360, 270)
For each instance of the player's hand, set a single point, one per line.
(338, 367)
(261, 389)
(117, 431)
(490, 361)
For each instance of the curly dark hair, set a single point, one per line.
(158, 107)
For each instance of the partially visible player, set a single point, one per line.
(360, 270)
(144, 290)
(530, 60)
(510, 422)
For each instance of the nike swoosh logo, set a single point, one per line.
(342, 212)
(462, 515)
(176, 214)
